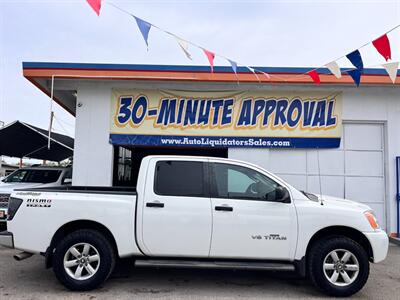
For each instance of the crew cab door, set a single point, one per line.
(176, 209)
(248, 221)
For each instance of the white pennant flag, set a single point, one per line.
(254, 72)
(184, 46)
(266, 75)
(334, 68)
(391, 69)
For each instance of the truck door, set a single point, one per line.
(248, 222)
(177, 209)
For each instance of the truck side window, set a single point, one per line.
(237, 182)
(180, 178)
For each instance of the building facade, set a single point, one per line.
(360, 167)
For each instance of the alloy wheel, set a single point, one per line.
(341, 267)
(81, 261)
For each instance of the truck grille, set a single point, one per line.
(4, 200)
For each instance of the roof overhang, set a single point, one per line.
(42, 73)
(19, 139)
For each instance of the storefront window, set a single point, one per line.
(127, 160)
(122, 167)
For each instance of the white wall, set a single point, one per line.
(93, 155)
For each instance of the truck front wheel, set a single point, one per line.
(83, 260)
(338, 266)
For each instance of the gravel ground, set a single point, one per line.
(29, 279)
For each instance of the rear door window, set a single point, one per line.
(180, 178)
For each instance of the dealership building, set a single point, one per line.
(334, 138)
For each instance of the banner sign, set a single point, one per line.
(225, 119)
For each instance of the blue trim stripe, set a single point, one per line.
(222, 142)
(182, 68)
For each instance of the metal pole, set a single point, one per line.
(51, 110)
(397, 194)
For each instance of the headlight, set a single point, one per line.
(13, 205)
(372, 219)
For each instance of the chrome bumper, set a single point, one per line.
(6, 239)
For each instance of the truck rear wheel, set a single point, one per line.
(338, 266)
(83, 260)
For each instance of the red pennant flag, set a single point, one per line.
(210, 57)
(382, 44)
(314, 76)
(96, 5)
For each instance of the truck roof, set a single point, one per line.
(45, 168)
(201, 158)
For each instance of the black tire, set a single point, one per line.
(105, 265)
(319, 252)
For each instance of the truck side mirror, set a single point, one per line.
(282, 195)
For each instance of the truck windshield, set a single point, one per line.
(36, 176)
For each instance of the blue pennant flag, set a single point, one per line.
(356, 60)
(233, 65)
(356, 75)
(144, 28)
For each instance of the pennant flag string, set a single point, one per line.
(382, 45)
(366, 44)
(95, 5)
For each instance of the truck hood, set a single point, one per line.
(8, 188)
(345, 203)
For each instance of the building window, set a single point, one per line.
(122, 167)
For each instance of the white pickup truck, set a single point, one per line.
(197, 212)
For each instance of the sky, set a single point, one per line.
(253, 33)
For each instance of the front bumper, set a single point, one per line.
(379, 241)
(6, 239)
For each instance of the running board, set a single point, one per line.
(272, 266)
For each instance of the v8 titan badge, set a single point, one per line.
(273, 237)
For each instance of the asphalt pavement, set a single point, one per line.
(28, 279)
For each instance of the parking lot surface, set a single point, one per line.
(29, 279)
